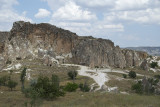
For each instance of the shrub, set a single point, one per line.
(72, 74)
(154, 64)
(11, 71)
(132, 74)
(71, 87)
(138, 88)
(124, 76)
(157, 76)
(44, 88)
(84, 87)
(8, 62)
(11, 84)
(22, 78)
(4, 80)
(146, 86)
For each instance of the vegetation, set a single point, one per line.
(44, 88)
(72, 74)
(154, 64)
(22, 78)
(146, 86)
(132, 74)
(84, 87)
(124, 76)
(71, 87)
(78, 98)
(3, 80)
(157, 76)
(8, 62)
(138, 88)
(11, 71)
(12, 84)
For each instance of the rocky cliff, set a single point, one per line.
(155, 51)
(55, 45)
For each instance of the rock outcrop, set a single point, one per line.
(55, 45)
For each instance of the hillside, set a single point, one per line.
(56, 45)
(46, 51)
(155, 51)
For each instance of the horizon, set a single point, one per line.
(134, 23)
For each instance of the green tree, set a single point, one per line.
(124, 76)
(12, 84)
(4, 80)
(11, 71)
(138, 87)
(132, 74)
(45, 88)
(154, 64)
(22, 78)
(84, 87)
(72, 74)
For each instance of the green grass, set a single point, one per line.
(81, 99)
(76, 99)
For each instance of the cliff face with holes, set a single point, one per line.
(55, 45)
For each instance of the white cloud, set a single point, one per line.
(8, 14)
(71, 11)
(97, 3)
(148, 16)
(118, 27)
(131, 4)
(42, 13)
(74, 24)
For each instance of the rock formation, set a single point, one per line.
(55, 45)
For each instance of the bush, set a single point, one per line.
(44, 88)
(132, 74)
(12, 84)
(154, 64)
(8, 62)
(84, 87)
(146, 86)
(138, 88)
(71, 87)
(72, 74)
(124, 76)
(4, 80)
(157, 76)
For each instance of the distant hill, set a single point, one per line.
(155, 51)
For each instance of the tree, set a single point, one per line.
(84, 87)
(71, 87)
(132, 74)
(138, 87)
(22, 78)
(124, 76)
(11, 71)
(12, 84)
(55, 81)
(3, 80)
(45, 88)
(146, 86)
(96, 68)
(72, 75)
(154, 64)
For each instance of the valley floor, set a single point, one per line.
(80, 99)
(106, 79)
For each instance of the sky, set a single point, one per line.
(128, 23)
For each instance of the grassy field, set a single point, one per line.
(16, 98)
(81, 99)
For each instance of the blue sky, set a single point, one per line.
(125, 22)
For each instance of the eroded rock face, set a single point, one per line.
(3, 40)
(56, 45)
